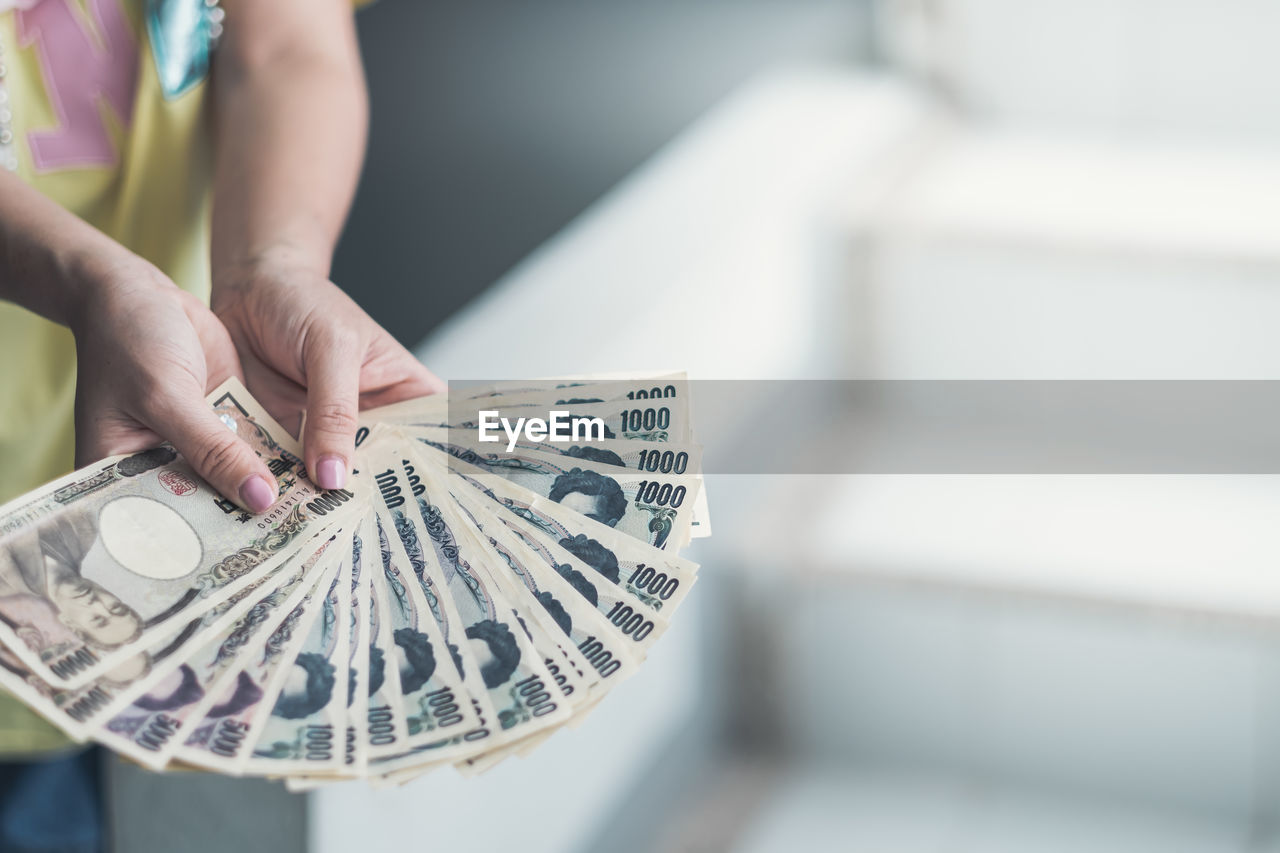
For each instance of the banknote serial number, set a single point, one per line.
(321, 503)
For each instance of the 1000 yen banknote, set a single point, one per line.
(594, 569)
(643, 420)
(593, 639)
(673, 387)
(356, 753)
(223, 738)
(568, 669)
(435, 704)
(639, 456)
(510, 669)
(306, 730)
(595, 389)
(654, 508)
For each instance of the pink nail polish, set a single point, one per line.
(256, 494)
(331, 472)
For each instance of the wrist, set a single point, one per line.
(280, 261)
(51, 262)
(100, 287)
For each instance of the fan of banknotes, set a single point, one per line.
(502, 557)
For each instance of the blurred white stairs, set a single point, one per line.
(1049, 190)
(1054, 662)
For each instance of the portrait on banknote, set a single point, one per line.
(593, 554)
(495, 649)
(307, 688)
(415, 656)
(591, 494)
(593, 454)
(579, 581)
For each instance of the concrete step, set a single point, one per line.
(1008, 254)
(1144, 705)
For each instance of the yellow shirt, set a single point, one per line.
(93, 130)
(107, 117)
(102, 109)
(105, 114)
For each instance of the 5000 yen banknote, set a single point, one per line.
(177, 694)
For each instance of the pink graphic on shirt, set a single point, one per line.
(81, 70)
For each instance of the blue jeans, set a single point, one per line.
(52, 806)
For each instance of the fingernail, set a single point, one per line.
(257, 494)
(331, 472)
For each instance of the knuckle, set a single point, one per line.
(333, 418)
(217, 457)
(321, 327)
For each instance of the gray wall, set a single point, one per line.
(495, 122)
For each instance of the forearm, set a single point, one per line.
(50, 258)
(290, 125)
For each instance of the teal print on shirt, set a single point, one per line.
(182, 34)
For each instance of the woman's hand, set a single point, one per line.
(305, 346)
(284, 177)
(148, 353)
